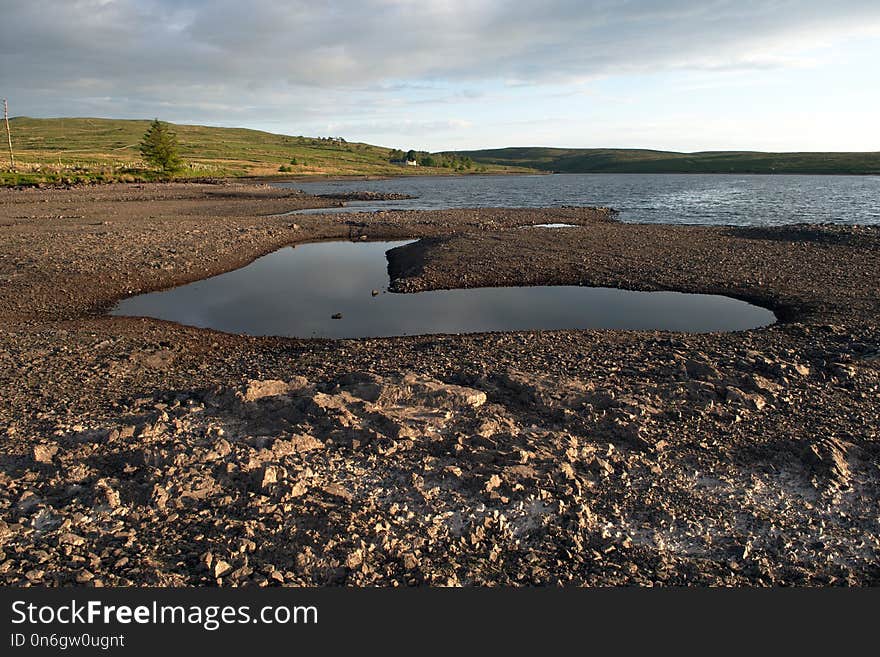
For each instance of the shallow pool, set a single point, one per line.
(339, 290)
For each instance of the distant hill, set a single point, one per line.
(80, 149)
(83, 149)
(613, 160)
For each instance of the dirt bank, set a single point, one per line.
(141, 452)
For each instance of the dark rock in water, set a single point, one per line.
(336, 316)
(375, 293)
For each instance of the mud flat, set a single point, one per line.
(135, 451)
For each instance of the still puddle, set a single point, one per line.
(551, 226)
(339, 290)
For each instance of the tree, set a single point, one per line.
(159, 147)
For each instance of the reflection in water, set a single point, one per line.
(296, 291)
(551, 226)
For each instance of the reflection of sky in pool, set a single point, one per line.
(295, 291)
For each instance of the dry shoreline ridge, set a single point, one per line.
(140, 452)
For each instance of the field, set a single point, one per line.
(612, 160)
(104, 150)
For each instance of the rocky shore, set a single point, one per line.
(366, 196)
(139, 452)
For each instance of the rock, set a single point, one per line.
(69, 538)
(547, 390)
(84, 577)
(335, 490)
(45, 520)
(28, 502)
(701, 370)
(272, 474)
(568, 471)
(375, 293)
(752, 401)
(258, 389)
(629, 433)
(419, 390)
(296, 445)
(829, 457)
(298, 489)
(492, 483)
(45, 452)
(601, 466)
(220, 568)
(765, 385)
(366, 196)
(222, 448)
(363, 385)
(336, 316)
(843, 371)
(110, 495)
(159, 497)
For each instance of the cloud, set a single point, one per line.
(227, 60)
(405, 128)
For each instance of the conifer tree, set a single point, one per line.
(159, 147)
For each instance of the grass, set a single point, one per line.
(611, 160)
(74, 150)
(105, 150)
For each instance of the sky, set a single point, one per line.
(683, 75)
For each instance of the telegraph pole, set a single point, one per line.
(8, 134)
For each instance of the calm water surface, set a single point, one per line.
(647, 198)
(296, 291)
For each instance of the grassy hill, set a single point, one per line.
(81, 149)
(613, 160)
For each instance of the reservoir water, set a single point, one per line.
(339, 290)
(756, 200)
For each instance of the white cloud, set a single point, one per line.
(351, 62)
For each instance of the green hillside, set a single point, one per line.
(82, 149)
(612, 160)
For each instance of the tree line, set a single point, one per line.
(425, 159)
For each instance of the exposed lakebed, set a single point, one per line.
(339, 290)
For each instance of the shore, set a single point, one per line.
(140, 452)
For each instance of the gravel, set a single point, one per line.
(139, 452)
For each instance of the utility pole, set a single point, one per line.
(8, 134)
